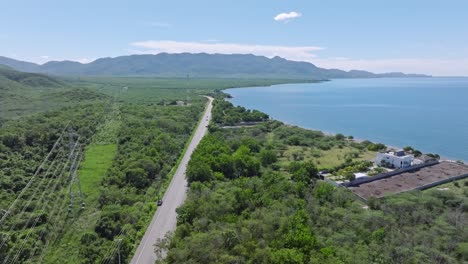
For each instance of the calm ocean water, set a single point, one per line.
(430, 114)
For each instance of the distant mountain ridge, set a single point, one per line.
(196, 65)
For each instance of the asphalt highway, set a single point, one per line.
(165, 217)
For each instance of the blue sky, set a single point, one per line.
(410, 36)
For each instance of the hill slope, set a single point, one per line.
(23, 93)
(197, 65)
(25, 78)
(19, 65)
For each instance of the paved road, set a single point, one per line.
(165, 218)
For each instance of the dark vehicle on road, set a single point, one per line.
(159, 203)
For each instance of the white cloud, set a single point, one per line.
(285, 17)
(42, 59)
(84, 60)
(298, 53)
(435, 66)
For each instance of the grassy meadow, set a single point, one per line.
(324, 158)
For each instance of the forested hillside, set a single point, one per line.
(23, 93)
(253, 201)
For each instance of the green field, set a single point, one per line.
(98, 159)
(324, 158)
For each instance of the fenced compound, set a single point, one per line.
(362, 180)
(414, 178)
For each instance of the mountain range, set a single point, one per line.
(196, 65)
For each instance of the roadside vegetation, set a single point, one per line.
(251, 200)
(149, 142)
(225, 114)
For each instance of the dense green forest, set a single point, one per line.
(225, 114)
(40, 117)
(255, 197)
(126, 135)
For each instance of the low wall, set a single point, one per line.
(430, 185)
(388, 174)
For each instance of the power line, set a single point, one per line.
(72, 150)
(31, 198)
(73, 168)
(36, 220)
(52, 215)
(72, 171)
(35, 223)
(56, 215)
(72, 176)
(73, 161)
(79, 189)
(112, 250)
(34, 176)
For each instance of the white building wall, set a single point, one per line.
(396, 161)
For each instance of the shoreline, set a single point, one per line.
(328, 133)
(293, 81)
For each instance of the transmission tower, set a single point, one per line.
(74, 161)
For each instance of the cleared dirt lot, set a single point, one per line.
(410, 180)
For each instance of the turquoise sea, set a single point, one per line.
(430, 114)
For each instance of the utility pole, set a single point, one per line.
(79, 189)
(118, 248)
(71, 160)
(74, 160)
(187, 87)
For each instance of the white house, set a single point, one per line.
(394, 159)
